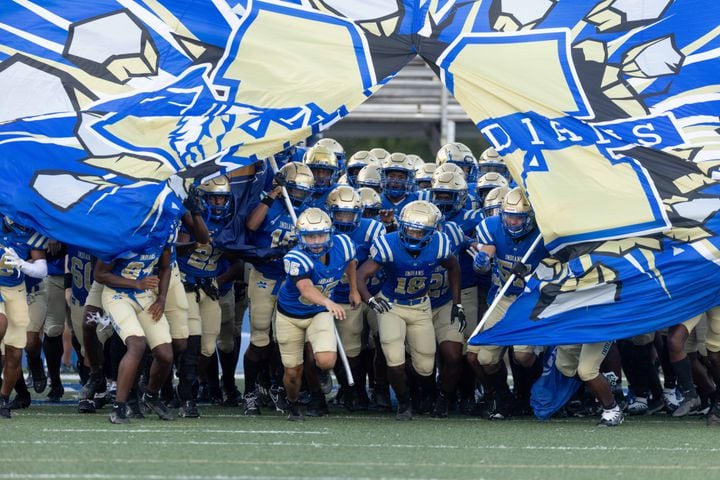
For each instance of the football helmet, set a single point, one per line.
(216, 197)
(370, 177)
(345, 208)
(493, 201)
(380, 153)
(11, 225)
(314, 230)
(449, 192)
(517, 215)
(343, 180)
(417, 159)
(418, 221)
(398, 175)
(355, 163)
(460, 155)
(371, 202)
(335, 147)
(491, 161)
(487, 182)
(449, 167)
(423, 175)
(324, 165)
(299, 181)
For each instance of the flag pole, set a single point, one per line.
(291, 211)
(504, 289)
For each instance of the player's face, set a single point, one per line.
(443, 196)
(422, 185)
(217, 200)
(316, 241)
(344, 217)
(415, 233)
(298, 194)
(322, 176)
(513, 221)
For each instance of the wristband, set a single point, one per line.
(268, 201)
(67, 280)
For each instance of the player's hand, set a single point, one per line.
(12, 259)
(481, 260)
(520, 269)
(156, 310)
(279, 180)
(355, 299)
(387, 215)
(380, 305)
(193, 203)
(148, 283)
(458, 315)
(335, 309)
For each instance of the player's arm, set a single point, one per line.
(35, 267)
(103, 274)
(233, 272)
(156, 309)
(312, 294)
(366, 271)
(351, 272)
(458, 313)
(257, 216)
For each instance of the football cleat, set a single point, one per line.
(611, 417)
(251, 405)
(188, 409)
(95, 383)
(4, 407)
(86, 406)
(381, 399)
(499, 408)
(233, 397)
(687, 405)
(21, 401)
(118, 414)
(56, 392)
(404, 411)
(277, 394)
(294, 414)
(39, 378)
(638, 406)
(441, 406)
(153, 402)
(317, 406)
(713, 418)
(326, 383)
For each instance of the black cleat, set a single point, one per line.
(134, 410)
(317, 406)
(96, 383)
(294, 414)
(441, 407)
(86, 406)
(118, 414)
(153, 403)
(39, 378)
(4, 407)
(21, 401)
(381, 399)
(188, 409)
(277, 394)
(326, 383)
(56, 392)
(233, 398)
(251, 405)
(404, 412)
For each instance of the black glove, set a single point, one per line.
(279, 180)
(458, 315)
(380, 305)
(192, 202)
(520, 269)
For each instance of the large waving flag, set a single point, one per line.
(606, 110)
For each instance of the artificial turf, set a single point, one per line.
(54, 442)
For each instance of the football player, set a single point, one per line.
(449, 193)
(681, 365)
(335, 147)
(135, 299)
(459, 154)
(356, 163)
(506, 239)
(423, 175)
(23, 253)
(370, 177)
(409, 257)
(56, 318)
(305, 311)
(271, 226)
(491, 161)
(398, 184)
(370, 202)
(345, 209)
(486, 183)
(325, 167)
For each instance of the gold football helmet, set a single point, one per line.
(334, 146)
(345, 208)
(460, 155)
(491, 161)
(355, 163)
(299, 181)
(424, 174)
(371, 202)
(369, 176)
(398, 175)
(216, 197)
(314, 229)
(449, 192)
(487, 182)
(380, 153)
(418, 221)
(517, 214)
(449, 167)
(417, 159)
(493, 201)
(324, 165)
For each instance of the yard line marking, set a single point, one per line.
(174, 430)
(92, 476)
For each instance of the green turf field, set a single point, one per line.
(53, 442)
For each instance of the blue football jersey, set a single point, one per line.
(299, 265)
(320, 201)
(408, 277)
(363, 237)
(274, 231)
(203, 262)
(508, 250)
(136, 266)
(22, 243)
(467, 220)
(388, 204)
(81, 265)
(439, 291)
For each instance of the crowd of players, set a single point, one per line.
(397, 257)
